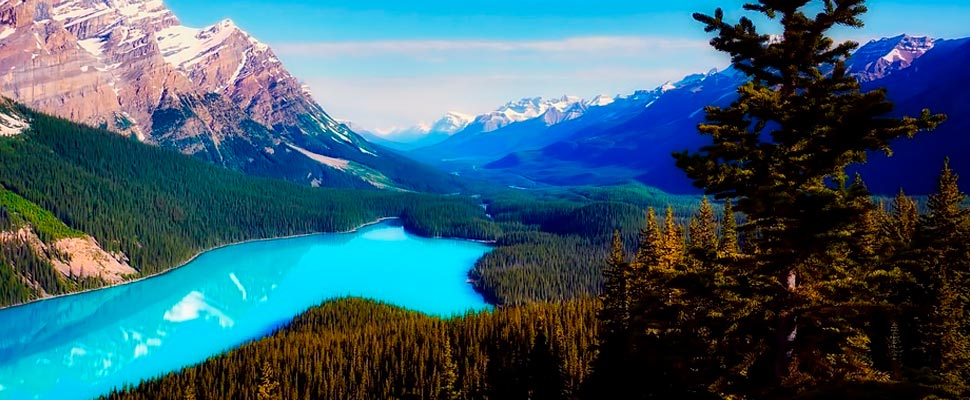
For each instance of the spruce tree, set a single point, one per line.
(729, 248)
(651, 242)
(545, 378)
(612, 367)
(449, 386)
(944, 283)
(672, 243)
(269, 384)
(904, 218)
(781, 151)
(703, 228)
(616, 297)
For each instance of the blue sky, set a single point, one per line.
(393, 63)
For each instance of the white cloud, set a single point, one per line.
(587, 44)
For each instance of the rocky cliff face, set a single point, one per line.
(131, 67)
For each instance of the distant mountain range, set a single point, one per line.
(417, 136)
(606, 141)
(216, 93)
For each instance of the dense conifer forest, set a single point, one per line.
(357, 349)
(801, 286)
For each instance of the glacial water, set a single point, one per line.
(82, 346)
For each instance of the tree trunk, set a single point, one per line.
(787, 333)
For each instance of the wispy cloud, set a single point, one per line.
(396, 102)
(587, 44)
(386, 83)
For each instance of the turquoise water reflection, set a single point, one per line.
(81, 346)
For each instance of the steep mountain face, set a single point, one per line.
(215, 93)
(636, 143)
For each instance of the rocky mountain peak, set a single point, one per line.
(879, 58)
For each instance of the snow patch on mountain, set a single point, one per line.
(12, 125)
(337, 163)
(600, 101)
(185, 48)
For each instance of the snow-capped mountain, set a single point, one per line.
(450, 123)
(879, 58)
(420, 135)
(523, 110)
(217, 93)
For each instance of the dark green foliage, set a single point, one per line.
(167, 120)
(19, 262)
(597, 220)
(827, 295)
(357, 349)
(781, 151)
(538, 266)
(450, 219)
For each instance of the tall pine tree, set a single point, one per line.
(703, 228)
(781, 151)
(612, 370)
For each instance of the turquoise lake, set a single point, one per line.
(82, 346)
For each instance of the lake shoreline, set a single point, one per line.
(152, 328)
(199, 254)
